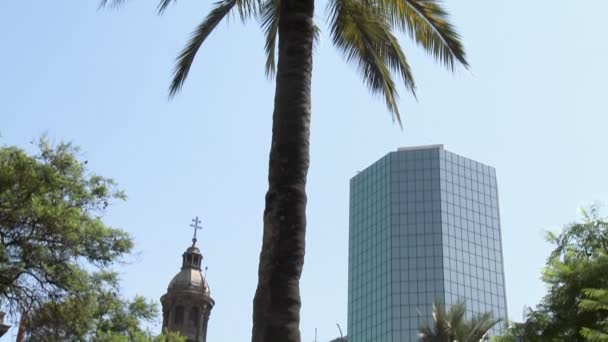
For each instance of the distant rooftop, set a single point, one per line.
(423, 147)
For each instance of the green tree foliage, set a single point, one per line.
(576, 305)
(51, 232)
(56, 252)
(596, 301)
(169, 336)
(452, 325)
(513, 333)
(365, 32)
(96, 313)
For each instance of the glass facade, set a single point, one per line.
(424, 227)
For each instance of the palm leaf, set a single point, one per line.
(397, 61)
(443, 326)
(270, 25)
(456, 314)
(186, 57)
(479, 326)
(441, 329)
(110, 3)
(364, 36)
(455, 317)
(425, 333)
(427, 23)
(162, 5)
(246, 7)
(249, 8)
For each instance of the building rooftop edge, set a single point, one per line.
(421, 147)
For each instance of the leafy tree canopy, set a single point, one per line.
(56, 252)
(511, 334)
(576, 305)
(97, 313)
(51, 232)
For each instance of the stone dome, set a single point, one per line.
(189, 279)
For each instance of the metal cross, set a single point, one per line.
(195, 225)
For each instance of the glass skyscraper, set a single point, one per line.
(424, 227)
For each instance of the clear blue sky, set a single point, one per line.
(532, 105)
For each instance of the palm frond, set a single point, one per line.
(456, 313)
(365, 36)
(442, 326)
(478, 326)
(427, 23)
(316, 32)
(269, 15)
(426, 333)
(110, 3)
(186, 57)
(398, 62)
(452, 325)
(249, 8)
(270, 25)
(162, 5)
(440, 319)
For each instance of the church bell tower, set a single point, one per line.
(188, 303)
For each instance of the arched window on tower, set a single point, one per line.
(178, 318)
(193, 317)
(165, 318)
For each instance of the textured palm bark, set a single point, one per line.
(276, 306)
(22, 325)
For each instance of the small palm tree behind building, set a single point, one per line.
(453, 326)
(339, 339)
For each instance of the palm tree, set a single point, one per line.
(452, 326)
(363, 30)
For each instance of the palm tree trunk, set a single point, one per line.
(276, 306)
(22, 327)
